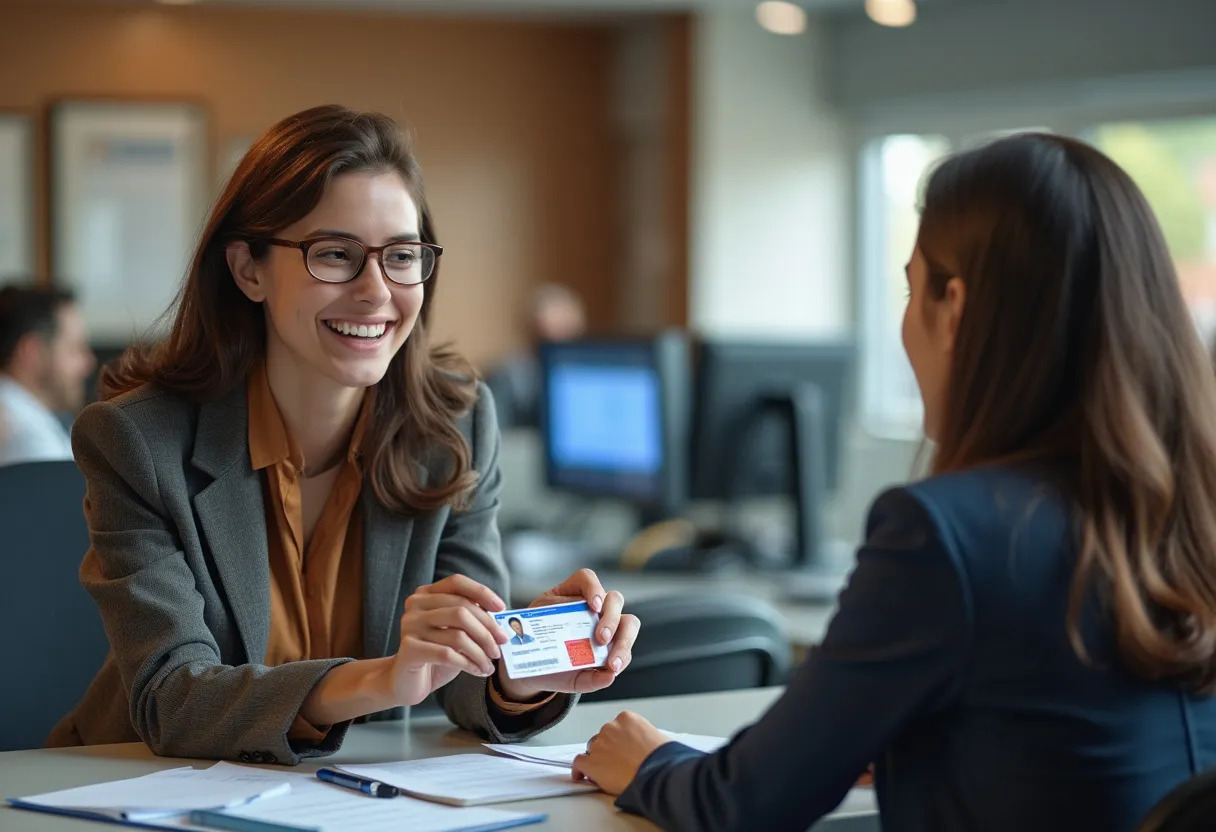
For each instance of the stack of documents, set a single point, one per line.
(284, 799)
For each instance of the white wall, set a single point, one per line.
(769, 236)
(639, 103)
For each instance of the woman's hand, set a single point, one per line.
(615, 754)
(583, 585)
(445, 629)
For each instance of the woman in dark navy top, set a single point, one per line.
(1027, 639)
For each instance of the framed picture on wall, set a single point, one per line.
(129, 191)
(16, 197)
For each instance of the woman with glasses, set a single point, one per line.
(292, 499)
(1028, 641)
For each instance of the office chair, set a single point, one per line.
(1190, 807)
(51, 628)
(700, 643)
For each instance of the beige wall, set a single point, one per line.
(512, 123)
(677, 180)
(651, 113)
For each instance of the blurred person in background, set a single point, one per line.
(44, 362)
(555, 313)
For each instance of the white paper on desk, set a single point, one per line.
(314, 804)
(563, 755)
(165, 793)
(473, 779)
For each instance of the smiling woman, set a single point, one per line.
(270, 486)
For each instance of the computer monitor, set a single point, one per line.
(614, 417)
(768, 421)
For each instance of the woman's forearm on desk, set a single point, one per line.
(352, 690)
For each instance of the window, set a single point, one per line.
(1174, 163)
(893, 170)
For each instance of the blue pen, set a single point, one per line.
(373, 788)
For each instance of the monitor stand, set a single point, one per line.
(816, 572)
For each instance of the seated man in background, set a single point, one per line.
(44, 361)
(555, 314)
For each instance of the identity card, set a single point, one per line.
(554, 639)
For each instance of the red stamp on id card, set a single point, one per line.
(580, 652)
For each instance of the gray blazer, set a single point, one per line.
(178, 566)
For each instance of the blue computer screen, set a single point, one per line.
(606, 418)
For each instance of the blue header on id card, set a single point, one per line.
(557, 609)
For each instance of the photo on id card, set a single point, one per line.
(544, 640)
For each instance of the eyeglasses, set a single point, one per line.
(338, 260)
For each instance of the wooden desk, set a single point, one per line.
(33, 772)
(804, 622)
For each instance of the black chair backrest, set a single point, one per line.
(50, 627)
(701, 643)
(1190, 807)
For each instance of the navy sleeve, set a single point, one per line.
(893, 653)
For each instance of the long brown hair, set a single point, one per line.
(218, 334)
(1075, 348)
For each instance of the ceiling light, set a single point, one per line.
(892, 12)
(176, 2)
(781, 18)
